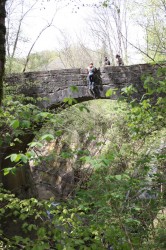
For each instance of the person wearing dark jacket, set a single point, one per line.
(106, 61)
(119, 60)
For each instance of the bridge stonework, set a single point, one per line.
(55, 85)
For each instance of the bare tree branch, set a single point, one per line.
(35, 41)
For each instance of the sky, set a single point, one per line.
(64, 18)
(67, 17)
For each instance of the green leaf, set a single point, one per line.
(9, 170)
(45, 114)
(105, 3)
(15, 124)
(41, 232)
(69, 100)
(118, 177)
(15, 157)
(74, 88)
(66, 155)
(35, 144)
(24, 158)
(30, 154)
(137, 208)
(25, 124)
(128, 90)
(82, 107)
(58, 132)
(47, 137)
(109, 92)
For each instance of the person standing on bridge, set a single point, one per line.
(106, 61)
(91, 70)
(119, 60)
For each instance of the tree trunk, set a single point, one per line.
(2, 44)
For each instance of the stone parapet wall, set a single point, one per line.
(55, 84)
(119, 77)
(126, 75)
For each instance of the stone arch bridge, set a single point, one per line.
(55, 85)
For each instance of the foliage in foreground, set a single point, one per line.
(115, 210)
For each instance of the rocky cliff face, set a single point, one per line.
(61, 171)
